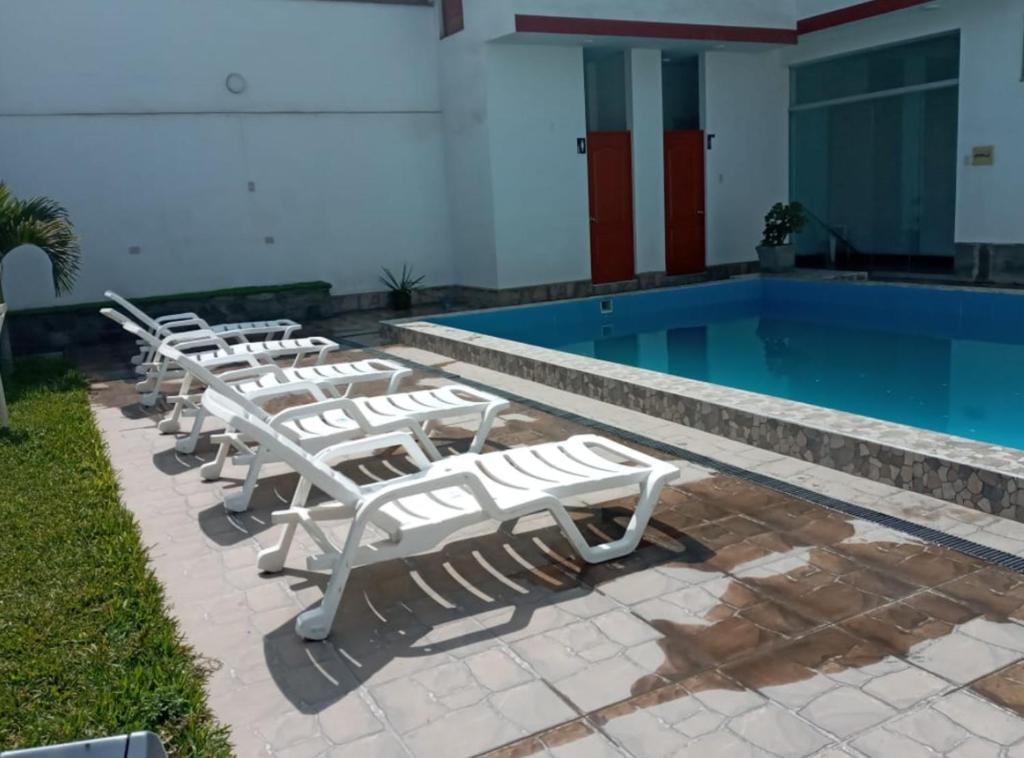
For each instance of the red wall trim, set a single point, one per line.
(852, 13)
(600, 27)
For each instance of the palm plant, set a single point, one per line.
(42, 223)
(402, 287)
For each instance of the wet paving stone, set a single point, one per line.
(1005, 687)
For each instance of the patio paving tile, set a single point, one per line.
(931, 728)
(778, 731)
(748, 622)
(881, 743)
(976, 747)
(982, 718)
(846, 711)
(961, 658)
(902, 689)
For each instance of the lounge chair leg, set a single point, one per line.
(650, 493)
(238, 501)
(189, 443)
(212, 470)
(484, 429)
(271, 560)
(152, 385)
(171, 424)
(425, 442)
(315, 624)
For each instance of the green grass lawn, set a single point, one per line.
(87, 647)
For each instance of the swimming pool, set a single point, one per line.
(939, 358)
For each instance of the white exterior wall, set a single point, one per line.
(371, 142)
(745, 106)
(118, 109)
(467, 152)
(646, 123)
(536, 111)
(991, 100)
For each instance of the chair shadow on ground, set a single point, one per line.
(172, 463)
(403, 616)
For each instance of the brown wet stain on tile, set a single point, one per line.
(520, 749)
(556, 737)
(1005, 688)
(666, 693)
(995, 592)
(827, 651)
(737, 495)
(901, 626)
(920, 564)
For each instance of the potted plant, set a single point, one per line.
(401, 287)
(42, 223)
(776, 251)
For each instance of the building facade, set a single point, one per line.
(506, 144)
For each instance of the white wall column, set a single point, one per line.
(645, 117)
(746, 99)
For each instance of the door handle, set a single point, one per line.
(700, 213)
(593, 220)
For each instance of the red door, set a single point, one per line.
(611, 206)
(684, 202)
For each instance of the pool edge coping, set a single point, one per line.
(988, 477)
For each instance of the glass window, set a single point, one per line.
(605, 89)
(936, 59)
(878, 173)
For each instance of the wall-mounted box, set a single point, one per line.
(983, 155)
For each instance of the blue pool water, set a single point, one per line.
(950, 360)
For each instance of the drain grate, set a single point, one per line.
(923, 533)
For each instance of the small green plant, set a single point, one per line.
(782, 221)
(401, 287)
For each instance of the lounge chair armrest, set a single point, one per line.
(176, 327)
(657, 466)
(284, 390)
(248, 359)
(189, 316)
(253, 370)
(312, 409)
(194, 339)
(336, 453)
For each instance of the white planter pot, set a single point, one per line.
(775, 259)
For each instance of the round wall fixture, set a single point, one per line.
(235, 83)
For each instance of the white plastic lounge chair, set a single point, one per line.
(270, 380)
(212, 348)
(419, 510)
(5, 420)
(328, 421)
(163, 326)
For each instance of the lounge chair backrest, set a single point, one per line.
(129, 326)
(319, 474)
(151, 339)
(193, 367)
(139, 315)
